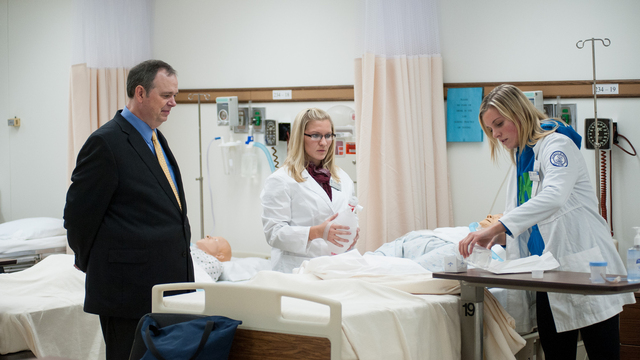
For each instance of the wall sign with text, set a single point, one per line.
(463, 106)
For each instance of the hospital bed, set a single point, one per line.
(30, 240)
(379, 316)
(265, 333)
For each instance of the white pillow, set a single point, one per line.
(239, 269)
(32, 228)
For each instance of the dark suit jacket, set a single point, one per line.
(124, 223)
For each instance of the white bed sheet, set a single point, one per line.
(41, 310)
(15, 245)
(502, 340)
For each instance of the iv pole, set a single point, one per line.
(580, 44)
(206, 97)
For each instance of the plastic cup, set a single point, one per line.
(537, 274)
(598, 271)
(480, 257)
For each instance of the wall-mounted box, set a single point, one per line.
(227, 110)
(15, 122)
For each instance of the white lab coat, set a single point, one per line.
(564, 206)
(290, 208)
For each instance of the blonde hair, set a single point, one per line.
(297, 159)
(512, 104)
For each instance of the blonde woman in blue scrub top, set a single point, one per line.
(300, 199)
(551, 207)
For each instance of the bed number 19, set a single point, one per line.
(469, 309)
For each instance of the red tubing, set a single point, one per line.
(603, 183)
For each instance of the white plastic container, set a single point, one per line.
(633, 259)
(454, 264)
(346, 217)
(598, 271)
(249, 166)
(537, 274)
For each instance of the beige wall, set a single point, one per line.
(5, 184)
(34, 86)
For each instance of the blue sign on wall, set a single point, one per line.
(463, 106)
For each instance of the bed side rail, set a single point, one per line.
(259, 308)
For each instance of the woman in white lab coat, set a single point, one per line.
(551, 207)
(300, 200)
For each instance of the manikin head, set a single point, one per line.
(215, 246)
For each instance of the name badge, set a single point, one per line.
(335, 185)
(534, 176)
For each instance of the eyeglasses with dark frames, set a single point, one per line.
(317, 137)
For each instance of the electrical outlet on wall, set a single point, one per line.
(15, 122)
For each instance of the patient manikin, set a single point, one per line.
(209, 253)
(428, 248)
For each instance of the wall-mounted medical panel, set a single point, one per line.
(248, 116)
(227, 110)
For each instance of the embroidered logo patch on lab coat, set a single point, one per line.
(559, 159)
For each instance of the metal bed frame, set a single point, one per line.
(26, 259)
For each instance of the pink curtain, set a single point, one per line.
(401, 158)
(403, 180)
(95, 96)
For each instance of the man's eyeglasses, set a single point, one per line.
(317, 137)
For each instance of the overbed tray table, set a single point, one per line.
(473, 282)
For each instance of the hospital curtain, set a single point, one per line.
(108, 38)
(401, 158)
(94, 97)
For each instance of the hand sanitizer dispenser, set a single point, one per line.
(633, 259)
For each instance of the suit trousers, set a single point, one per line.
(118, 334)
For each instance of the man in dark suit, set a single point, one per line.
(126, 214)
